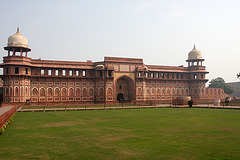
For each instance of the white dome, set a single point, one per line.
(194, 54)
(17, 40)
(100, 66)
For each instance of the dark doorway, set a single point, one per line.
(120, 97)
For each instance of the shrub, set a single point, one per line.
(2, 130)
(190, 103)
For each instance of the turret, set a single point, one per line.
(17, 43)
(196, 74)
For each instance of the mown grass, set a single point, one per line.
(159, 133)
(79, 106)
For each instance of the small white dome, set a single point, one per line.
(17, 40)
(100, 66)
(194, 54)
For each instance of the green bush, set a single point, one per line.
(190, 103)
(2, 130)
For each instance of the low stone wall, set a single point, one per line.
(6, 113)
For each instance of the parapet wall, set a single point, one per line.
(6, 113)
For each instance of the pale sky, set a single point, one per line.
(162, 32)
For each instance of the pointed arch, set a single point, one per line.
(50, 92)
(22, 91)
(6, 91)
(85, 91)
(71, 92)
(78, 92)
(42, 92)
(16, 91)
(139, 91)
(101, 92)
(26, 91)
(57, 92)
(64, 92)
(91, 92)
(34, 91)
(125, 86)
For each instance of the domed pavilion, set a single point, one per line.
(17, 43)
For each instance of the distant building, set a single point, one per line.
(236, 87)
(109, 81)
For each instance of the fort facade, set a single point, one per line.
(109, 81)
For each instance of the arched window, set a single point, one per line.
(22, 91)
(50, 92)
(26, 91)
(168, 91)
(6, 91)
(57, 92)
(64, 92)
(158, 91)
(78, 92)
(153, 91)
(90, 92)
(101, 92)
(16, 91)
(84, 91)
(163, 91)
(139, 91)
(42, 92)
(35, 92)
(11, 91)
(109, 92)
(147, 91)
(177, 91)
(71, 92)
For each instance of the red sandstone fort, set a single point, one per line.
(108, 81)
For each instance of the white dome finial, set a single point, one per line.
(17, 40)
(194, 54)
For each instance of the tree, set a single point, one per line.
(220, 83)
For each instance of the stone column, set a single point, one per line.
(21, 51)
(13, 52)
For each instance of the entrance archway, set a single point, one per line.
(125, 89)
(120, 97)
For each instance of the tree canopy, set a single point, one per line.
(220, 83)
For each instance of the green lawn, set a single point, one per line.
(81, 106)
(158, 133)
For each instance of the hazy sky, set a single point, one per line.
(161, 32)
